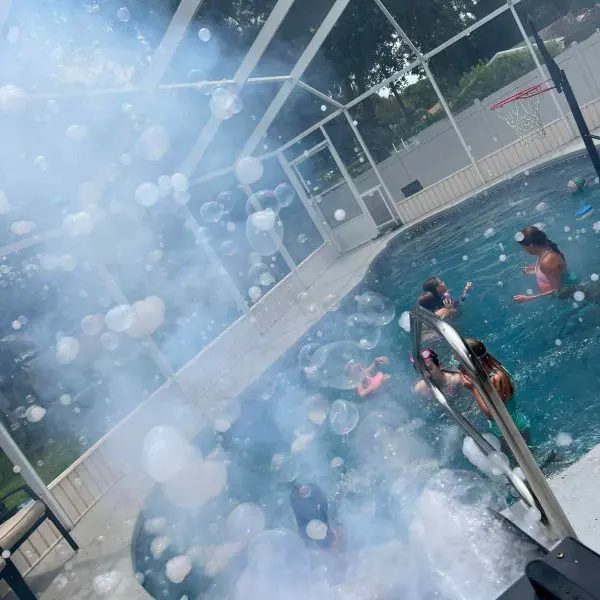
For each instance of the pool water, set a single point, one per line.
(388, 481)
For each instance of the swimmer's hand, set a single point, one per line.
(382, 360)
(448, 304)
(521, 298)
(468, 288)
(528, 269)
(466, 381)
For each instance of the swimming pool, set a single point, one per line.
(387, 480)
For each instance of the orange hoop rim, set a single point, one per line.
(530, 92)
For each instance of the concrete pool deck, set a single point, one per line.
(105, 532)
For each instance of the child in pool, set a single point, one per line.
(436, 298)
(371, 383)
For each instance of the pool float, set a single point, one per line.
(374, 383)
(577, 184)
(585, 212)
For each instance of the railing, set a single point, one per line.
(534, 491)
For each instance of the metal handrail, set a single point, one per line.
(535, 491)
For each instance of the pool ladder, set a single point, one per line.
(534, 491)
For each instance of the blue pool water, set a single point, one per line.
(380, 470)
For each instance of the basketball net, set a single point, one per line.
(521, 112)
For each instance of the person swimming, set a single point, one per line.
(371, 383)
(437, 299)
(309, 503)
(502, 382)
(447, 381)
(550, 268)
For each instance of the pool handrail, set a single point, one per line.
(535, 491)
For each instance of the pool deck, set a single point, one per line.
(105, 532)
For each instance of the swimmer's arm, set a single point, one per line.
(553, 267)
(480, 402)
(522, 298)
(421, 388)
(362, 391)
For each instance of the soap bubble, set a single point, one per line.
(77, 133)
(178, 568)
(106, 583)
(229, 248)
(261, 201)
(120, 318)
(316, 530)
(363, 331)
(226, 201)
(149, 315)
(164, 453)
(323, 107)
(35, 413)
(147, 194)
(331, 303)
(245, 522)
(263, 220)
(341, 365)
(541, 207)
(211, 212)
(579, 296)
(109, 341)
(377, 308)
(254, 293)
(12, 98)
(22, 227)
(224, 103)
(181, 197)
(519, 237)
(4, 204)
(494, 465)
(65, 399)
(249, 170)
(558, 342)
(67, 349)
(123, 14)
(404, 321)
(489, 232)
(153, 144)
(204, 34)
(302, 238)
(564, 439)
(285, 194)
(503, 258)
(164, 185)
(343, 417)
(179, 182)
(78, 224)
(339, 214)
(256, 271)
(595, 277)
(465, 257)
(266, 243)
(317, 409)
(306, 358)
(224, 414)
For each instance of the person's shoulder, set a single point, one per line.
(552, 260)
(420, 387)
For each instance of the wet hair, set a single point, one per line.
(430, 285)
(309, 502)
(534, 236)
(428, 301)
(478, 348)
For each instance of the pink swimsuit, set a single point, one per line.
(542, 281)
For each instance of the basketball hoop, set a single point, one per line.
(521, 112)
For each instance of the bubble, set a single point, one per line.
(285, 194)
(302, 238)
(465, 257)
(16, 469)
(339, 214)
(503, 258)
(229, 248)
(307, 360)
(204, 34)
(594, 277)
(226, 201)
(178, 568)
(179, 182)
(249, 170)
(567, 228)
(254, 293)
(109, 341)
(376, 307)
(35, 413)
(67, 349)
(149, 315)
(519, 237)
(120, 318)
(564, 439)
(106, 583)
(224, 414)
(340, 365)
(317, 408)
(363, 331)
(164, 453)
(579, 296)
(78, 224)
(211, 212)
(489, 232)
(123, 14)
(316, 530)
(337, 462)
(225, 103)
(265, 242)
(558, 342)
(541, 207)
(500, 284)
(17, 324)
(23, 227)
(343, 417)
(404, 321)
(153, 143)
(261, 201)
(65, 399)
(164, 185)
(12, 98)
(77, 133)
(331, 303)
(245, 522)
(147, 194)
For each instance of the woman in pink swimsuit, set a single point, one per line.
(371, 383)
(550, 268)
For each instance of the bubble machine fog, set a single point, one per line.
(117, 269)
